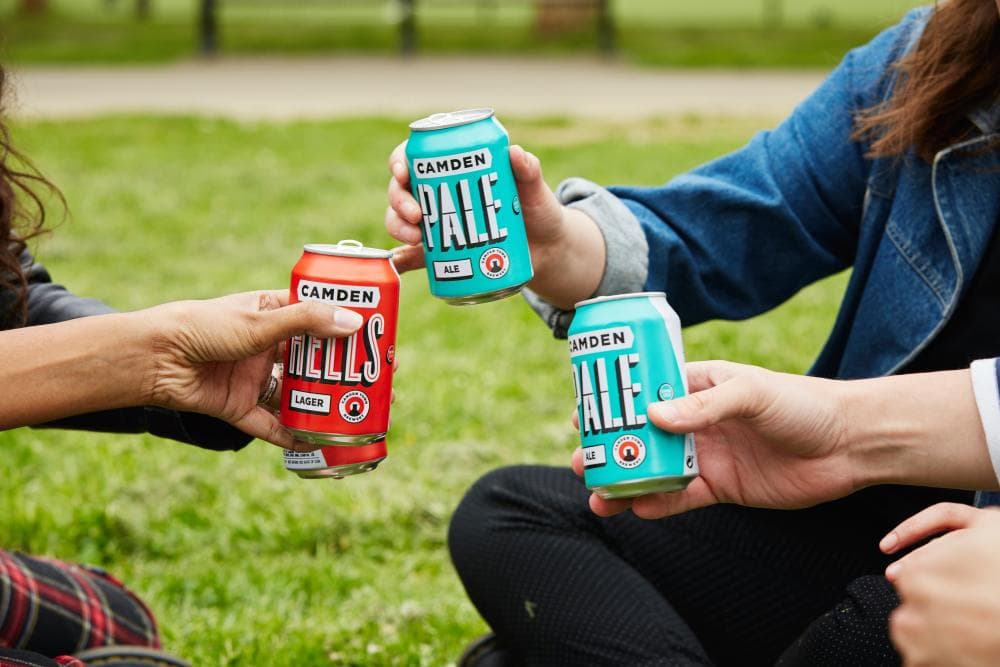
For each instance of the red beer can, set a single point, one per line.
(336, 461)
(337, 391)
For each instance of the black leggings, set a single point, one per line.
(723, 585)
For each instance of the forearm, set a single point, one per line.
(922, 429)
(57, 370)
(601, 250)
(575, 264)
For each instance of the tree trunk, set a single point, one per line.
(559, 16)
(34, 7)
(773, 14)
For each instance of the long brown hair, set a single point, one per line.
(22, 217)
(954, 69)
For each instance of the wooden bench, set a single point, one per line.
(550, 13)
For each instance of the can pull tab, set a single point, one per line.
(350, 244)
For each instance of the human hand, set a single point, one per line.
(764, 439)
(216, 356)
(567, 249)
(949, 588)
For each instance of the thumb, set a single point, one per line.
(702, 409)
(317, 319)
(408, 257)
(535, 196)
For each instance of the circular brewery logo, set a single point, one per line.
(665, 392)
(494, 263)
(390, 355)
(516, 205)
(354, 406)
(628, 451)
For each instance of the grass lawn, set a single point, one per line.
(654, 32)
(245, 563)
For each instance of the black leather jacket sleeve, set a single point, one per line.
(48, 303)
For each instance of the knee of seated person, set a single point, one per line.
(504, 498)
(488, 495)
(515, 498)
(872, 596)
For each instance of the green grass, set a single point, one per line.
(245, 563)
(653, 32)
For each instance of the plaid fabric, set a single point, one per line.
(56, 608)
(11, 658)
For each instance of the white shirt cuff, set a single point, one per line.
(985, 378)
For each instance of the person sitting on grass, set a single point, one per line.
(781, 441)
(192, 371)
(891, 167)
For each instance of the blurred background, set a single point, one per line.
(656, 32)
(246, 564)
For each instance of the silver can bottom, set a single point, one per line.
(324, 439)
(486, 297)
(340, 472)
(640, 487)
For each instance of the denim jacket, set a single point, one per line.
(745, 232)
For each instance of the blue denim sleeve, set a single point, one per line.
(743, 233)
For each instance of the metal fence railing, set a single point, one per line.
(598, 10)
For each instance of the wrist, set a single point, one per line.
(873, 441)
(569, 263)
(117, 360)
(158, 332)
(921, 429)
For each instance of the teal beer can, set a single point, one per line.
(626, 353)
(475, 246)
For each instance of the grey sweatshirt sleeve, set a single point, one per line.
(626, 264)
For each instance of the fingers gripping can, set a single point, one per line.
(626, 353)
(337, 391)
(475, 245)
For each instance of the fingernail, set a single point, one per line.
(411, 209)
(398, 169)
(666, 411)
(889, 541)
(893, 570)
(347, 319)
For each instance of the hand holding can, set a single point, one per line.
(626, 353)
(337, 392)
(475, 243)
(567, 248)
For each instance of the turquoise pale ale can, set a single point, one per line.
(475, 246)
(626, 353)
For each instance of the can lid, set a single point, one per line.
(440, 121)
(347, 248)
(618, 297)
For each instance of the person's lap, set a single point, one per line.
(725, 584)
(53, 608)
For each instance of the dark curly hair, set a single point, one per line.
(22, 217)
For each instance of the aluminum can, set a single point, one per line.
(626, 353)
(336, 461)
(337, 391)
(475, 245)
